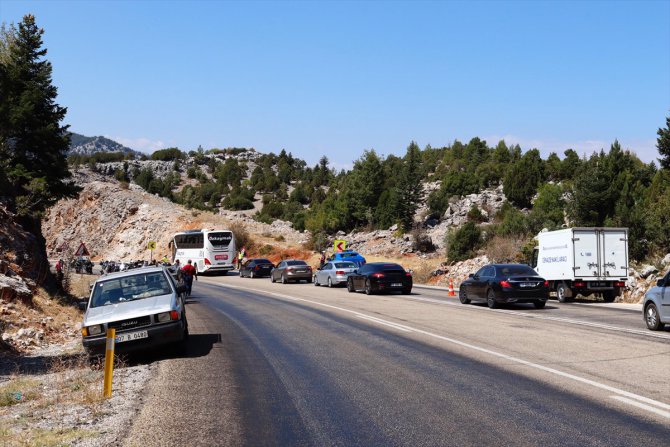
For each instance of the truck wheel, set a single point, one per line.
(561, 292)
(652, 318)
(609, 296)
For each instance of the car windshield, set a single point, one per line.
(296, 263)
(129, 288)
(262, 261)
(345, 265)
(517, 270)
(348, 255)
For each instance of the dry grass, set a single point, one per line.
(504, 249)
(80, 284)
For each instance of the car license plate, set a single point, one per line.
(527, 284)
(396, 284)
(220, 257)
(130, 336)
(597, 284)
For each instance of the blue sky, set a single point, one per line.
(336, 78)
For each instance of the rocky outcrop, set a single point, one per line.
(118, 223)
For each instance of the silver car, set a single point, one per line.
(145, 306)
(334, 273)
(657, 304)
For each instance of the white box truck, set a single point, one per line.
(583, 261)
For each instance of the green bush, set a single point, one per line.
(463, 242)
(169, 154)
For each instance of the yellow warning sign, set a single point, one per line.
(339, 245)
(151, 245)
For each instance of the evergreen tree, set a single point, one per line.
(523, 179)
(409, 187)
(663, 145)
(33, 143)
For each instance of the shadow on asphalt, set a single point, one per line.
(197, 345)
(517, 306)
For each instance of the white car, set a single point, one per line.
(334, 273)
(144, 305)
(657, 304)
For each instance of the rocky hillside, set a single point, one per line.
(117, 223)
(82, 145)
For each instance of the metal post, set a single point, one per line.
(109, 363)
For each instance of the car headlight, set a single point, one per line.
(96, 329)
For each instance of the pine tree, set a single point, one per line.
(409, 187)
(663, 145)
(33, 143)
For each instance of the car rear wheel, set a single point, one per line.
(652, 318)
(463, 296)
(406, 291)
(368, 287)
(272, 278)
(316, 281)
(251, 274)
(350, 286)
(491, 299)
(330, 282)
(540, 304)
(283, 279)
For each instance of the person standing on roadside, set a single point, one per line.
(59, 270)
(189, 272)
(240, 256)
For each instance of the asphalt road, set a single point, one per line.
(272, 364)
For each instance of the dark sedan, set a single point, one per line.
(255, 268)
(377, 277)
(505, 283)
(291, 270)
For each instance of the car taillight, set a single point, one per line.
(377, 275)
(207, 262)
(546, 284)
(309, 268)
(339, 272)
(408, 274)
(174, 315)
(578, 284)
(257, 267)
(505, 284)
(619, 284)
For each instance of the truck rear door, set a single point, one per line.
(586, 254)
(614, 253)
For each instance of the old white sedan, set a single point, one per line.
(145, 306)
(657, 304)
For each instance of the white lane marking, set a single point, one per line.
(637, 404)
(385, 323)
(593, 383)
(609, 327)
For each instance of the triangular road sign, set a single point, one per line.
(82, 250)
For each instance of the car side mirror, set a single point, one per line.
(471, 275)
(83, 304)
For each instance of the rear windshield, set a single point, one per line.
(129, 288)
(262, 261)
(220, 238)
(517, 270)
(345, 265)
(349, 255)
(296, 263)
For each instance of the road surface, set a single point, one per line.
(273, 364)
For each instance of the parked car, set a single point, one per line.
(348, 255)
(496, 284)
(334, 273)
(657, 304)
(145, 306)
(291, 270)
(377, 277)
(255, 268)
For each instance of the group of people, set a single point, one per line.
(187, 273)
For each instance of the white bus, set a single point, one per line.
(210, 250)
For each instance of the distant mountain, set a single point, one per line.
(82, 145)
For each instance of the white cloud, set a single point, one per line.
(140, 144)
(644, 149)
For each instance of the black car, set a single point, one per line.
(377, 277)
(255, 268)
(505, 283)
